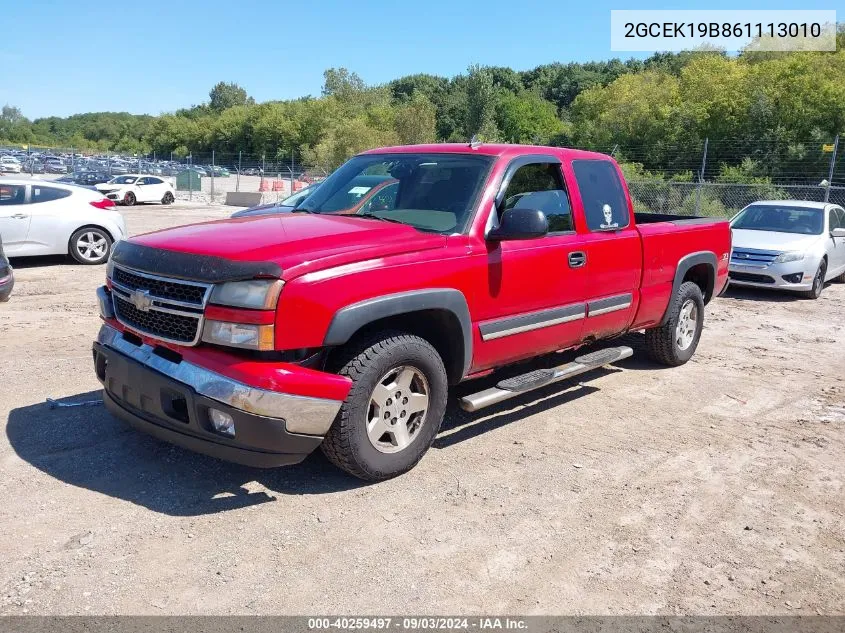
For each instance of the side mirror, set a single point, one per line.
(837, 233)
(520, 224)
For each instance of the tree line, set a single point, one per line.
(786, 103)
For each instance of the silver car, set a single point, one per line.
(788, 245)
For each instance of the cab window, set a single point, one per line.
(47, 194)
(539, 186)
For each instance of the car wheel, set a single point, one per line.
(168, 198)
(90, 246)
(818, 283)
(674, 342)
(129, 199)
(394, 409)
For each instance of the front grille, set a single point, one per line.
(163, 288)
(753, 256)
(167, 309)
(751, 278)
(163, 325)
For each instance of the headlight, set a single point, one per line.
(258, 294)
(259, 337)
(788, 257)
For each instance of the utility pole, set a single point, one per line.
(832, 167)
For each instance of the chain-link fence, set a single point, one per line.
(713, 177)
(718, 199)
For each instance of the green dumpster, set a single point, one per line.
(188, 180)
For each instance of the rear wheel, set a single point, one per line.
(818, 283)
(167, 199)
(394, 409)
(674, 342)
(90, 246)
(129, 199)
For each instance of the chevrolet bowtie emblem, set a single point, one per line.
(141, 299)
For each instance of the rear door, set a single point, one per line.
(14, 218)
(612, 246)
(532, 300)
(156, 188)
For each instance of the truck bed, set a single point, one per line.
(652, 218)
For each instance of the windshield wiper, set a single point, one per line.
(302, 210)
(380, 217)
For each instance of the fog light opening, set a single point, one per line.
(222, 422)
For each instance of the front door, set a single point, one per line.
(14, 218)
(533, 298)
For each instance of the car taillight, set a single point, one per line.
(105, 203)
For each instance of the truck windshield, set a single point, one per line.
(780, 219)
(431, 192)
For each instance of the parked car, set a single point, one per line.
(47, 218)
(7, 275)
(10, 165)
(54, 167)
(275, 335)
(283, 206)
(87, 178)
(134, 188)
(791, 245)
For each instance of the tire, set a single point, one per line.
(371, 364)
(818, 283)
(129, 199)
(669, 345)
(90, 245)
(168, 198)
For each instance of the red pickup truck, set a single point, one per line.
(259, 339)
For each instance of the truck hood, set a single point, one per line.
(772, 240)
(298, 243)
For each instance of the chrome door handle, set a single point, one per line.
(577, 259)
(20, 216)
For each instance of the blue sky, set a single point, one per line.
(60, 58)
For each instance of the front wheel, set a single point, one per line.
(394, 409)
(818, 283)
(674, 342)
(90, 246)
(129, 199)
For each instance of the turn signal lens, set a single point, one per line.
(248, 336)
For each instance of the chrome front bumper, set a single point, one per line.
(300, 414)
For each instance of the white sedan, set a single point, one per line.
(788, 245)
(133, 188)
(48, 218)
(10, 165)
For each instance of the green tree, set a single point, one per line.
(528, 118)
(227, 95)
(415, 120)
(481, 104)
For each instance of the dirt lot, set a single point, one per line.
(716, 487)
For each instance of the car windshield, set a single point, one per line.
(780, 219)
(123, 180)
(431, 192)
(299, 196)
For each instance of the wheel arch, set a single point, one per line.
(700, 268)
(439, 315)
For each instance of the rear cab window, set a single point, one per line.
(602, 194)
(12, 194)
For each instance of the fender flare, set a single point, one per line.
(351, 318)
(684, 264)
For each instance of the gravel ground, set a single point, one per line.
(713, 488)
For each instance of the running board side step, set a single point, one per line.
(513, 387)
